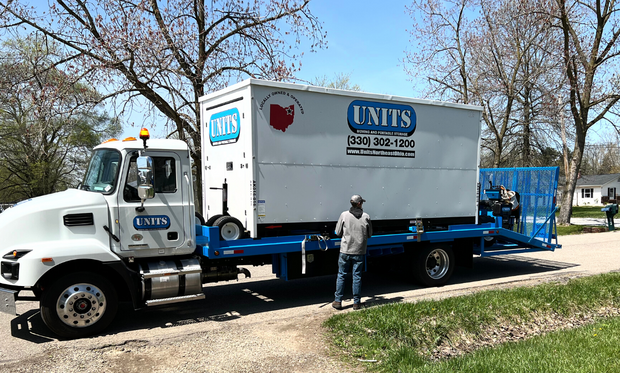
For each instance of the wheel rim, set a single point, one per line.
(81, 305)
(230, 231)
(437, 264)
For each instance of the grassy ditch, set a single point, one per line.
(546, 328)
(565, 230)
(587, 212)
(580, 212)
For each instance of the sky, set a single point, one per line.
(366, 40)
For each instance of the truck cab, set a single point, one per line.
(164, 226)
(102, 242)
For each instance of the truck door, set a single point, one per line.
(159, 224)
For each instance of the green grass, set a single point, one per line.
(586, 212)
(564, 230)
(592, 348)
(580, 212)
(403, 336)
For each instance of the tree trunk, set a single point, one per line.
(571, 180)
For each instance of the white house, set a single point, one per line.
(596, 190)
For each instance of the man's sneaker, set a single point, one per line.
(357, 306)
(337, 305)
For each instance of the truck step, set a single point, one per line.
(170, 272)
(184, 298)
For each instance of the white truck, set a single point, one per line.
(280, 162)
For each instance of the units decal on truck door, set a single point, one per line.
(224, 127)
(381, 129)
(153, 222)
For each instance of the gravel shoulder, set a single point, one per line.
(263, 324)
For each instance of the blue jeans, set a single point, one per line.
(345, 262)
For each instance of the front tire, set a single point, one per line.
(79, 305)
(434, 265)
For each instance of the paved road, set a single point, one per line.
(594, 221)
(263, 303)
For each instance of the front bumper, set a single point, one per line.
(7, 301)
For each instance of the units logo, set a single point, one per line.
(280, 108)
(153, 222)
(224, 127)
(377, 118)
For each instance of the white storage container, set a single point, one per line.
(292, 155)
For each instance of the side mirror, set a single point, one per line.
(146, 190)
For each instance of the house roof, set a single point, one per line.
(596, 180)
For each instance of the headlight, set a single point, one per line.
(16, 254)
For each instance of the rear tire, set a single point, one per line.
(211, 221)
(434, 265)
(230, 228)
(79, 305)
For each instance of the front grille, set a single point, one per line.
(76, 220)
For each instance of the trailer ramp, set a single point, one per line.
(536, 229)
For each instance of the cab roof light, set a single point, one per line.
(144, 135)
(130, 139)
(109, 140)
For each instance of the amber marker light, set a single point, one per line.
(144, 134)
(110, 140)
(47, 260)
(130, 139)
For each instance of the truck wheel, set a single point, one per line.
(230, 228)
(211, 221)
(199, 220)
(79, 305)
(434, 265)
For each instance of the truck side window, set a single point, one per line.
(165, 175)
(164, 169)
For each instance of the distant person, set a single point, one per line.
(354, 226)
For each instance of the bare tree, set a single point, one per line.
(498, 60)
(48, 121)
(589, 32)
(602, 157)
(173, 52)
(340, 81)
(443, 53)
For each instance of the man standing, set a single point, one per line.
(354, 227)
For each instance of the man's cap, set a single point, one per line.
(356, 198)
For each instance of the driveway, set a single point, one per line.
(263, 324)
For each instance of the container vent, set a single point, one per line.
(76, 220)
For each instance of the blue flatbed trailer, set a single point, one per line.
(431, 248)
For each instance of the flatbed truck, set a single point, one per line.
(280, 162)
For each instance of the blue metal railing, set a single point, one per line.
(537, 188)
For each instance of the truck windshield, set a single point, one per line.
(102, 171)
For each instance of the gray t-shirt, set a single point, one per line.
(354, 233)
